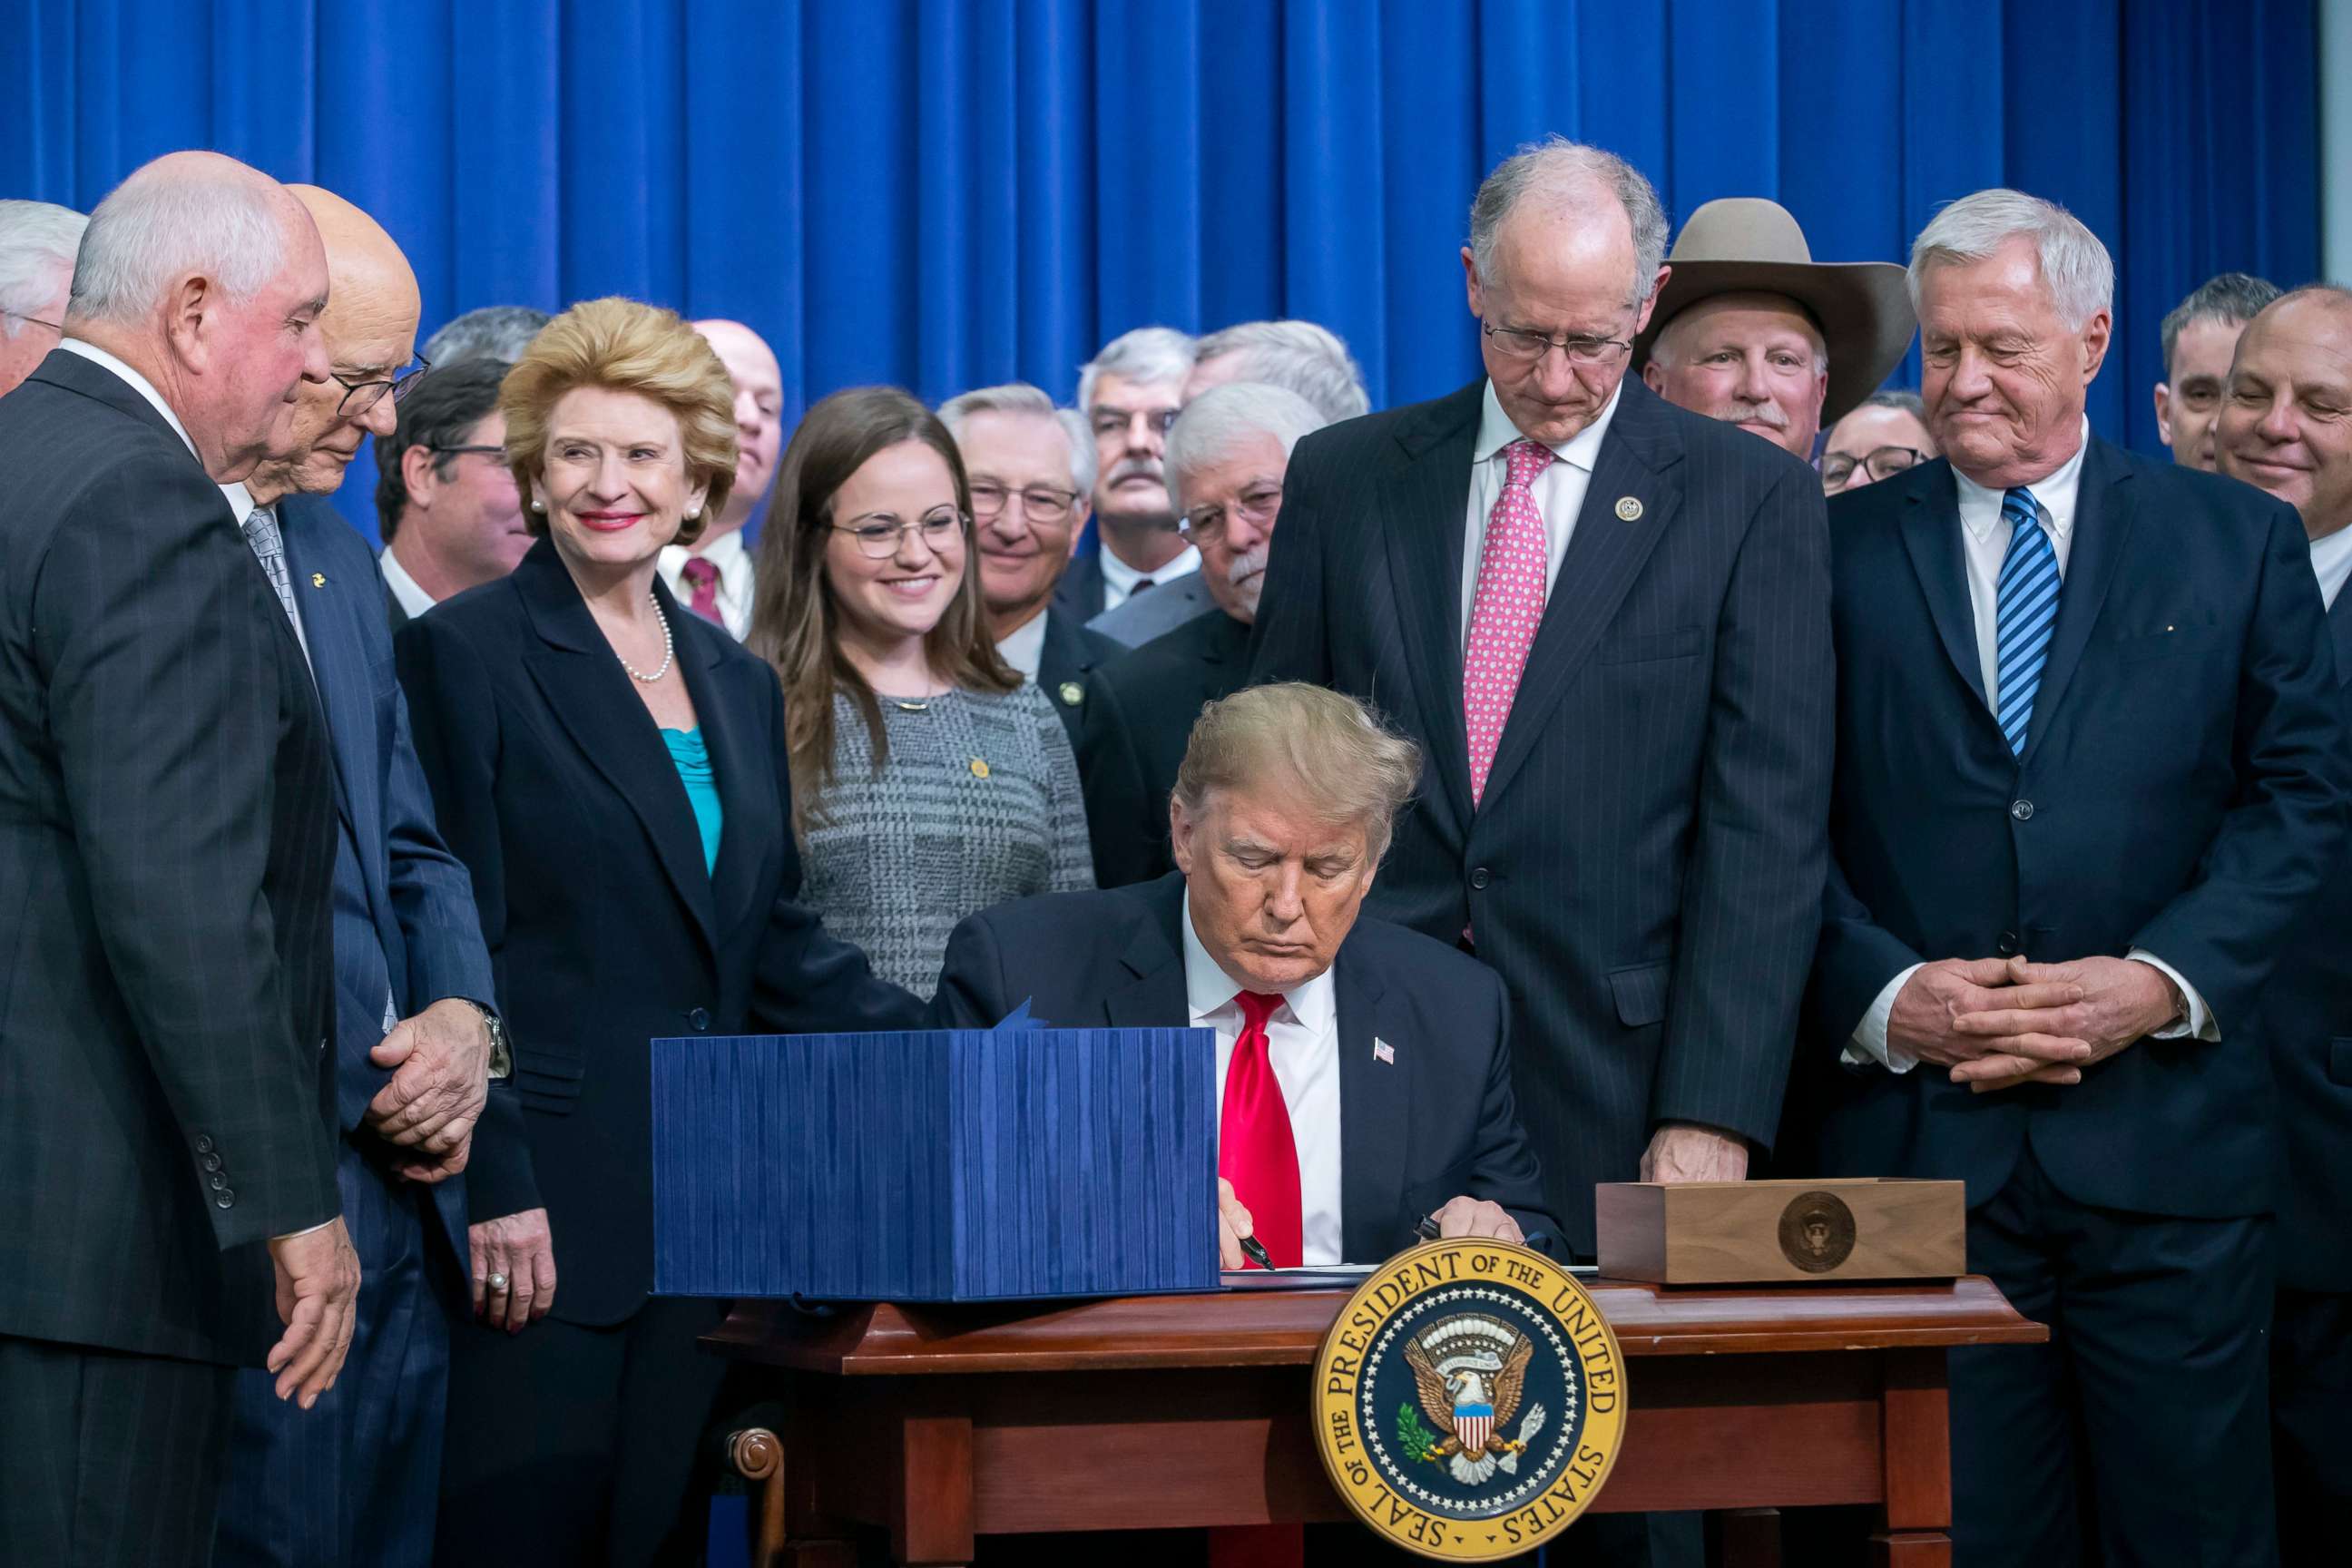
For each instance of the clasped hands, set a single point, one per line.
(440, 1062)
(1996, 1023)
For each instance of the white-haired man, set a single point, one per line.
(169, 791)
(1130, 394)
(1305, 358)
(2090, 767)
(1032, 473)
(1226, 455)
(713, 577)
(37, 241)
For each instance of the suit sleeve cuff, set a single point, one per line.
(306, 1230)
(2200, 1024)
(1870, 1043)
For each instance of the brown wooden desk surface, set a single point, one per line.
(1174, 1411)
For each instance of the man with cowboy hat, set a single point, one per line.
(1749, 329)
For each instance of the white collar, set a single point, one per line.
(413, 600)
(2331, 562)
(1580, 450)
(240, 502)
(138, 384)
(2054, 493)
(1023, 648)
(1124, 578)
(726, 553)
(1208, 986)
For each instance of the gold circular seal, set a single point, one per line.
(1629, 508)
(978, 767)
(1469, 1401)
(1817, 1232)
(1073, 693)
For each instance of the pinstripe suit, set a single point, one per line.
(1645, 864)
(166, 840)
(355, 1479)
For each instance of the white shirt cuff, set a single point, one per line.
(1870, 1043)
(305, 1230)
(2200, 1024)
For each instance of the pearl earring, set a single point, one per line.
(694, 513)
(538, 505)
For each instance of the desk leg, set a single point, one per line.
(1915, 1443)
(930, 1491)
(1750, 1538)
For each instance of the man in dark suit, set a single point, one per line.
(2281, 427)
(1606, 621)
(446, 502)
(1032, 471)
(1363, 1072)
(354, 1480)
(166, 793)
(1129, 394)
(2091, 766)
(1226, 454)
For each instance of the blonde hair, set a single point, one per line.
(1325, 749)
(623, 345)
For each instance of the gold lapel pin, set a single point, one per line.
(978, 768)
(1628, 509)
(318, 579)
(1073, 693)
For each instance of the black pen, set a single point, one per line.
(1255, 1250)
(1429, 1229)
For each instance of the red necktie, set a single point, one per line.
(1255, 1152)
(702, 577)
(1505, 607)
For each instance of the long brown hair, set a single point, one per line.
(795, 624)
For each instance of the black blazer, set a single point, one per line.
(1079, 593)
(1071, 655)
(1438, 1121)
(2307, 1015)
(167, 845)
(1139, 717)
(2183, 790)
(550, 781)
(1645, 866)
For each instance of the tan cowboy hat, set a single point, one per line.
(1741, 245)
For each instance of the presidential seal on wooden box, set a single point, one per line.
(1469, 1400)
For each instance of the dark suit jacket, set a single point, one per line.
(395, 616)
(1643, 865)
(411, 912)
(1071, 654)
(2183, 790)
(1437, 1122)
(2307, 1015)
(550, 781)
(166, 845)
(1079, 593)
(1139, 716)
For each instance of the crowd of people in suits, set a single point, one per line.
(1682, 755)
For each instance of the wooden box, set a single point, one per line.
(1745, 1233)
(951, 1165)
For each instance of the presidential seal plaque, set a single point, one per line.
(1469, 1401)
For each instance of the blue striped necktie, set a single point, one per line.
(2026, 607)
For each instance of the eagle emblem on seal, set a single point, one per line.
(1469, 1372)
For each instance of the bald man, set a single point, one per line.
(713, 578)
(353, 1480)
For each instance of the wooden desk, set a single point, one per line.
(941, 1424)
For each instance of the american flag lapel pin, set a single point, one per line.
(1382, 1051)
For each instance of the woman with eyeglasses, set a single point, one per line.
(1884, 436)
(928, 782)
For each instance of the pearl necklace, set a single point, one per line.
(669, 648)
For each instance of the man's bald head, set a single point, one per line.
(370, 327)
(2286, 423)
(759, 419)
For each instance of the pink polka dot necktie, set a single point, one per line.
(701, 578)
(1507, 608)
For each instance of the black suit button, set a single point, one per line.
(226, 1200)
(212, 1161)
(2021, 809)
(1479, 878)
(2007, 946)
(699, 1018)
(220, 1183)
(203, 1143)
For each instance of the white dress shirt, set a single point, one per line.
(413, 600)
(138, 384)
(2331, 563)
(1559, 490)
(1119, 579)
(1303, 1044)
(1984, 539)
(1024, 648)
(735, 573)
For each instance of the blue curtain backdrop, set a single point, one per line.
(948, 193)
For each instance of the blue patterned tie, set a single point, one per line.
(2026, 607)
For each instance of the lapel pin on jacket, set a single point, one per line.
(318, 579)
(1628, 509)
(1382, 1051)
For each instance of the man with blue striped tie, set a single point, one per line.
(2090, 768)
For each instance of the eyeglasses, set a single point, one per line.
(1881, 463)
(1039, 503)
(56, 326)
(1257, 506)
(878, 533)
(1524, 347)
(360, 396)
(497, 452)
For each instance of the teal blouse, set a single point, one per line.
(692, 759)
